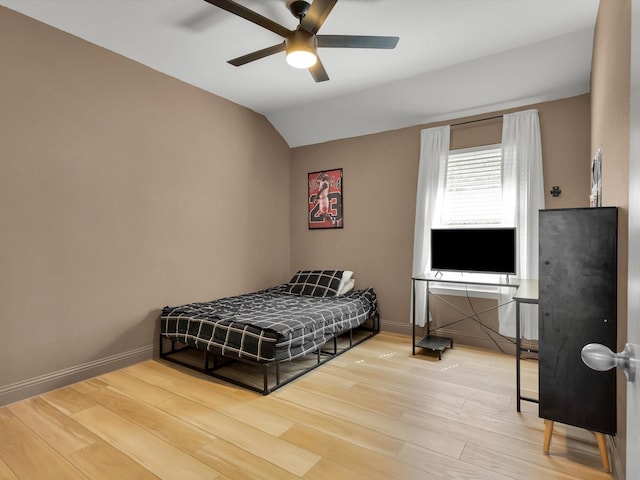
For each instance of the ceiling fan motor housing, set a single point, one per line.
(298, 8)
(300, 39)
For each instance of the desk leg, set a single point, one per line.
(426, 308)
(413, 317)
(518, 356)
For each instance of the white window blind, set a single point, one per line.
(473, 187)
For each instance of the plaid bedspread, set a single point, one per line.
(267, 325)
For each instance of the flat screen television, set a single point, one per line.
(479, 250)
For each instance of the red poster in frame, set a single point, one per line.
(325, 199)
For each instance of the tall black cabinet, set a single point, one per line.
(577, 306)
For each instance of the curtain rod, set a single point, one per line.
(474, 121)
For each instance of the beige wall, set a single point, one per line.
(122, 190)
(380, 177)
(610, 97)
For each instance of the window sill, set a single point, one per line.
(468, 284)
(474, 291)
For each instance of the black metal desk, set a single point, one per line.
(526, 292)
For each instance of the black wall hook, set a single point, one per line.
(555, 191)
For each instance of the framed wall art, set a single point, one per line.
(325, 199)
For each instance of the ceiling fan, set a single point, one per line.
(302, 43)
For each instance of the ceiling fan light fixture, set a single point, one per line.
(301, 58)
(301, 49)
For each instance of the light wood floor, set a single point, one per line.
(375, 412)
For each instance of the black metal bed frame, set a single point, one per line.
(212, 363)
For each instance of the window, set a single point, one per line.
(521, 196)
(472, 197)
(472, 192)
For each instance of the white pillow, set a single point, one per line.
(346, 276)
(347, 287)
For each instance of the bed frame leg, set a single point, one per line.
(162, 350)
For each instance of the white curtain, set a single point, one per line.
(523, 197)
(434, 149)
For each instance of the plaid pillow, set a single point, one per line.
(315, 283)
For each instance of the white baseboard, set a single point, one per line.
(50, 381)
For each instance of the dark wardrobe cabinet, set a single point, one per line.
(577, 306)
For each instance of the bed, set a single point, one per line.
(302, 324)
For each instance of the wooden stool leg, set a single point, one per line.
(548, 431)
(604, 456)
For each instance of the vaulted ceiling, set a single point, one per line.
(454, 57)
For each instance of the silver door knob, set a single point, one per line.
(601, 358)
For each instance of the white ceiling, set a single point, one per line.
(454, 57)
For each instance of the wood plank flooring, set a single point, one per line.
(375, 412)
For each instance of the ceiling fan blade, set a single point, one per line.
(317, 14)
(318, 72)
(241, 11)
(257, 55)
(356, 41)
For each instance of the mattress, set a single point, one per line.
(268, 325)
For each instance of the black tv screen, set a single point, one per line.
(481, 250)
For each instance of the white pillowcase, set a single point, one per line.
(346, 278)
(347, 287)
